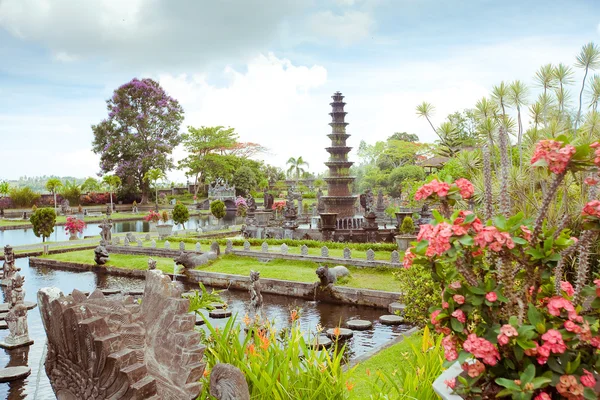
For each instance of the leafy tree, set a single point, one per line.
(263, 184)
(52, 185)
(43, 221)
(399, 175)
(181, 214)
(273, 174)
(296, 165)
(4, 188)
(113, 182)
(217, 209)
(71, 191)
(154, 175)
(405, 137)
(398, 153)
(319, 183)
(205, 145)
(368, 153)
(90, 185)
(140, 133)
(408, 226)
(244, 180)
(23, 197)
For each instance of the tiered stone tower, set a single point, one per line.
(339, 198)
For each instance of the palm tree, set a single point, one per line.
(588, 58)
(517, 96)
(113, 182)
(90, 185)
(594, 92)
(296, 165)
(52, 186)
(154, 175)
(500, 95)
(425, 110)
(563, 74)
(449, 143)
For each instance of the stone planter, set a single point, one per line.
(164, 230)
(73, 236)
(403, 213)
(152, 226)
(79, 216)
(403, 241)
(440, 387)
(328, 220)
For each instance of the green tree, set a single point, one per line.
(113, 182)
(398, 175)
(52, 185)
(426, 110)
(4, 188)
(23, 197)
(244, 180)
(263, 184)
(295, 167)
(319, 183)
(71, 191)
(517, 97)
(154, 175)
(217, 209)
(140, 133)
(405, 137)
(90, 185)
(205, 145)
(181, 214)
(43, 221)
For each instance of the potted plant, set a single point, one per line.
(513, 325)
(181, 214)
(164, 230)
(73, 227)
(152, 218)
(278, 206)
(407, 234)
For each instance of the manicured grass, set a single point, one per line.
(6, 222)
(389, 360)
(116, 260)
(302, 271)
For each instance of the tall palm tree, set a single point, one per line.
(563, 74)
(500, 95)
(154, 175)
(52, 186)
(296, 165)
(425, 110)
(517, 97)
(113, 182)
(588, 58)
(594, 92)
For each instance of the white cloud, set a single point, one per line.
(347, 28)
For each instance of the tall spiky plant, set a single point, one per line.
(588, 58)
(563, 75)
(517, 97)
(594, 92)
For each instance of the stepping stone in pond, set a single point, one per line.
(218, 306)
(395, 306)
(359, 324)
(321, 342)
(343, 334)
(3, 316)
(3, 325)
(391, 320)
(14, 373)
(108, 292)
(219, 314)
(199, 320)
(136, 292)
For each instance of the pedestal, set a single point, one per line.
(10, 346)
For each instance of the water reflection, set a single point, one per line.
(19, 237)
(277, 309)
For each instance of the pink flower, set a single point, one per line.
(567, 288)
(434, 316)
(503, 340)
(590, 180)
(572, 327)
(482, 349)
(543, 396)
(526, 233)
(592, 209)
(554, 341)
(557, 303)
(449, 345)
(587, 379)
(492, 237)
(596, 153)
(556, 154)
(409, 256)
(475, 369)
(459, 299)
(438, 237)
(506, 332)
(460, 316)
(466, 188)
(439, 188)
(491, 297)
(595, 341)
(445, 305)
(451, 383)
(456, 285)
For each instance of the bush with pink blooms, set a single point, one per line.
(74, 226)
(152, 216)
(508, 314)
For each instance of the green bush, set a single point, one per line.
(408, 226)
(309, 195)
(23, 197)
(217, 209)
(419, 293)
(72, 192)
(181, 214)
(43, 221)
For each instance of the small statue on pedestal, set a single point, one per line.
(16, 318)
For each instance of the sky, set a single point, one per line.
(267, 68)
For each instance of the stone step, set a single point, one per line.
(321, 342)
(391, 320)
(342, 333)
(393, 307)
(135, 372)
(219, 314)
(359, 324)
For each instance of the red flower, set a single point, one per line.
(439, 188)
(587, 379)
(433, 317)
(456, 285)
(596, 153)
(592, 209)
(409, 256)
(567, 288)
(556, 154)
(491, 297)
(451, 383)
(449, 344)
(438, 237)
(466, 188)
(526, 233)
(543, 396)
(572, 327)
(554, 341)
(460, 316)
(590, 180)
(482, 349)
(492, 237)
(458, 298)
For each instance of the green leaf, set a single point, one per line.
(476, 290)
(535, 317)
(527, 375)
(573, 365)
(457, 326)
(508, 383)
(555, 366)
(500, 222)
(466, 240)
(525, 344)
(519, 240)
(541, 381)
(504, 393)
(589, 394)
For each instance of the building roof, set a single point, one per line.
(434, 162)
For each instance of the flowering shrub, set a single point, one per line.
(242, 206)
(278, 205)
(505, 304)
(152, 216)
(74, 226)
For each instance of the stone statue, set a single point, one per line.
(116, 348)
(8, 268)
(151, 263)
(328, 276)
(368, 201)
(191, 260)
(65, 207)
(380, 206)
(251, 203)
(16, 318)
(320, 204)
(101, 255)
(105, 233)
(256, 300)
(266, 199)
(228, 383)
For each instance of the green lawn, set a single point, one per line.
(116, 260)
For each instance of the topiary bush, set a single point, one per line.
(181, 214)
(217, 209)
(43, 221)
(419, 293)
(408, 226)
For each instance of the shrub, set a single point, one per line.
(43, 221)
(181, 214)
(309, 195)
(165, 216)
(23, 197)
(152, 216)
(71, 191)
(408, 226)
(74, 225)
(419, 293)
(217, 209)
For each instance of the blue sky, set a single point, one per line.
(265, 67)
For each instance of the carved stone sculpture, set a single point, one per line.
(105, 233)
(256, 300)
(151, 263)
(228, 383)
(329, 276)
(101, 255)
(320, 203)
(380, 205)
(191, 260)
(16, 318)
(8, 268)
(116, 348)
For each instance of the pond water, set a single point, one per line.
(277, 308)
(19, 237)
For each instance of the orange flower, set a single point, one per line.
(246, 320)
(368, 371)
(206, 372)
(349, 386)
(264, 340)
(336, 331)
(294, 315)
(251, 349)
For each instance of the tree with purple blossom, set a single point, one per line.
(139, 134)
